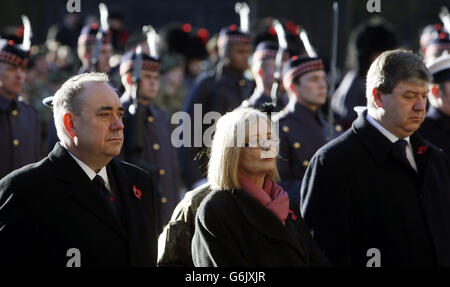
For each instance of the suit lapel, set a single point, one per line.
(81, 188)
(133, 212)
(379, 146)
(422, 153)
(264, 221)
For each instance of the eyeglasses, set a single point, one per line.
(265, 144)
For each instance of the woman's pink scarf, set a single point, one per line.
(272, 196)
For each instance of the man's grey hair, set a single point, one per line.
(67, 99)
(391, 67)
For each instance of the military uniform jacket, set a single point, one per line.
(175, 241)
(302, 132)
(358, 194)
(350, 93)
(220, 91)
(234, 229)
(20, 138)
(436, 129)
(259, 98)
(157, 156)
(50, 207)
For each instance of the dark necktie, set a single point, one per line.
(108, 196)
(400, 149)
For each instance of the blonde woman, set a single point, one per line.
(247, 219)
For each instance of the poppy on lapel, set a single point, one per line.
(137, 192)
(422, 149)
(293, 216)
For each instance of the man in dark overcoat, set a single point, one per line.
(79, 206)
(379, 195)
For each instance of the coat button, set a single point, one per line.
(285, 129)
(163, 200)
(242, 82)
(156, 146)
(15, 113)
(20, 99)
(338, 128)
(162, 172)
(16, 142)
(296, 145)
(150, 119)
(305, 163)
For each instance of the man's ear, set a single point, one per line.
(377, 97)
(435, 91)
(293, 88)
(129, 80)
(260, 72)
(69, 125)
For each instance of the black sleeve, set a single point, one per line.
(213, 244)
(326, 209)
(18, 236)
(285, 170)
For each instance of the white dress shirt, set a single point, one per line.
(90, 173)
(393, 139)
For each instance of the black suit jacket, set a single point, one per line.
(357, 195)
(51, 206)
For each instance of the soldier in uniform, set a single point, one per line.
(436, 126)
(427, 34)
(366, 42)
(263, 69)
(438, 45)
(19, 123)
(157, 154)
(221, 90)
(303, 129)
(86, 46)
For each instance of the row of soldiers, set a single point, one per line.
(223, 88)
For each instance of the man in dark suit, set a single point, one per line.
(436, 126)
(379, 195)
(79, 206)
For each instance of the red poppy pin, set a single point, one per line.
(293, 216)
(137, 192)
(422, 149)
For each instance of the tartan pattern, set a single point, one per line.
(233, 39)
(127, 66)
(261, 55)
(301, 69)
(12, 59)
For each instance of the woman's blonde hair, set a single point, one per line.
(227, 144)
